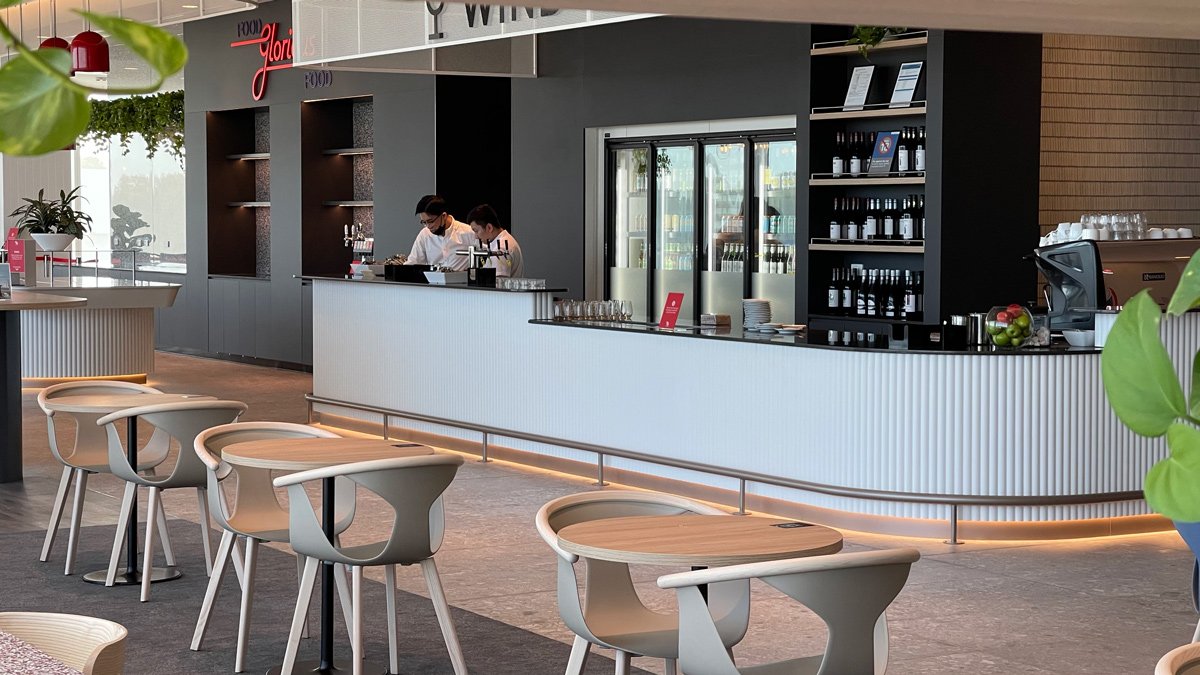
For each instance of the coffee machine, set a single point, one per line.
(1082, 276)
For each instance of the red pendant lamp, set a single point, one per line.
(89, 52)
(52, 42)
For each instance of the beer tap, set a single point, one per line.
(355, 237)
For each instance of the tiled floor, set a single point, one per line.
(1109, 606)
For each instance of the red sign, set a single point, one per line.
(276, 54)
(670, 313)
(16, 251)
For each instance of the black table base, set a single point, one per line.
(126, 578)
(369, 668)
(10, 396)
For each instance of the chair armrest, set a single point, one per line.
(365, 467)
(790, 566)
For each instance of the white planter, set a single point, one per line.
(53, 242)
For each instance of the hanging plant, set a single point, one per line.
(158, 118)
(866, 37)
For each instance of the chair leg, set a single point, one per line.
(214, 587)
(580, 649)
(247, 602)
(442, 609)
(119, 541)
(303, 600)
(622, 659)
(356, 645)
(148, 551)
(161, 519)
(237, 563)
(339, 580)
(60, 500)
(205, 537)
(669, 667)
(389, 583)
(300, 580)
(81, 478)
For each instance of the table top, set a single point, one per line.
(697, 540)
(107, 403)
(21, 300)
(301, 454)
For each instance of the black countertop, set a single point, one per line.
(737, 334)
(461, 287)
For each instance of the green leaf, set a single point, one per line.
(1187, 293)
(1173, 485)
(1138, 376)
(10, 3)
(39, 113)
(162, 50)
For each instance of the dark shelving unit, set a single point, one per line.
(238, 192)
(331, 197)
(980, 200)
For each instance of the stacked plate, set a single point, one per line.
(755, 312)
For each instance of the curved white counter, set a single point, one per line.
(933, 426)
(112, 337)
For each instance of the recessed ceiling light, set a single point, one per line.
(190, 6)
(130, 68)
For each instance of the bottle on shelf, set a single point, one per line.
(870, 222)
(839, 151)
(919, 152)
(855, 155)
(907, 224)
(834, 303)
(849, 291)
(902, 146)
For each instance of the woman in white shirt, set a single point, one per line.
(441, 236)
(486, 226)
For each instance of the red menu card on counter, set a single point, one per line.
(16, 252)
(670, 313)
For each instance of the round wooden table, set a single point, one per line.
(314, 453)
(697, 540)
(104, 404)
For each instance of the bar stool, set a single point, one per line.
(183, 422)
(90, 455)
(254, 513)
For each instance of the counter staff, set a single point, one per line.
(440, 236)
(486, 226)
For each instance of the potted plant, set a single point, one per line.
(866, 37)
(1144, 392)
(53, 223)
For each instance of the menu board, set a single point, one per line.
(670, 312)
(16, 251)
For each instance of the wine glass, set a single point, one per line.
(626, 309)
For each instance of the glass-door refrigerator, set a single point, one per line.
(712, 217)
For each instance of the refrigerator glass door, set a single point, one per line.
(675, 231)
(630, 255)
(724, 187)
(774, 276)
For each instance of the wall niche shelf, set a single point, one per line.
(902, 41)
(836, 113)
(239, 192)
(249, 156)
(348, 203)
(253, 205)
(825, 179)
(867, 247)
(350, 151)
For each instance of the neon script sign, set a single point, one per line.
(276, 55)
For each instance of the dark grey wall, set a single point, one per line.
(641, 72)
(264, 318)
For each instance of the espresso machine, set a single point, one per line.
(1083, 276)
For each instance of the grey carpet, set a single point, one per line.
(160, 630)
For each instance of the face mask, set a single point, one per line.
(441, 231)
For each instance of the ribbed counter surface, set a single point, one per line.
(1029, 426)
(111, 337)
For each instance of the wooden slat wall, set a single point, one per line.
(1120, 128)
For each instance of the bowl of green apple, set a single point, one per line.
(1009, 327)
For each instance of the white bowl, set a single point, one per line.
(1080, 338)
